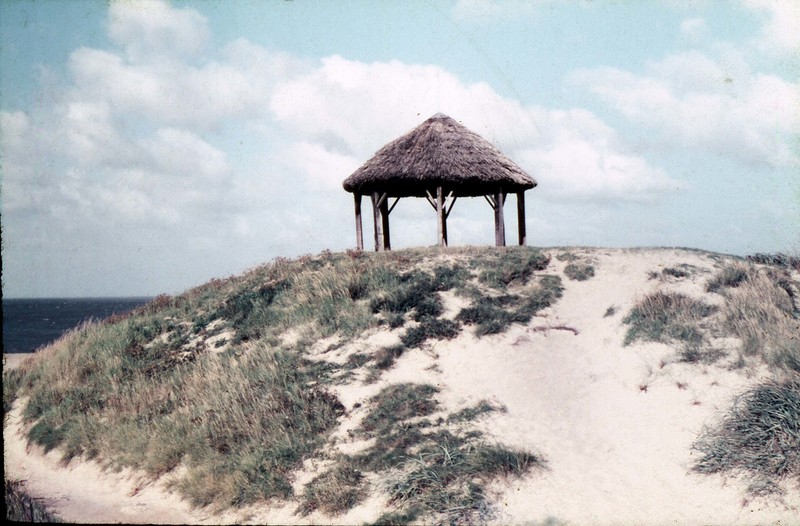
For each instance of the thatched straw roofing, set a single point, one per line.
(440, 151)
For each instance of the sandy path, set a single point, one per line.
(616, 454)
(83, 492)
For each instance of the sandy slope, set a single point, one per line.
(614, 423)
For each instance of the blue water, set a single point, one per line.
(31, 323)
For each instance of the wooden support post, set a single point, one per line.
(376, 222)
(523, 235)
(384, 208)
(499, 221)
(441, 217)
(359, 227)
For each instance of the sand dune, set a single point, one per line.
(614, 423)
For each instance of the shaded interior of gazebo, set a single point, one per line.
(440, 160)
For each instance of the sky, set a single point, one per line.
(148, 146)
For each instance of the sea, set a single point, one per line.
(29, 324)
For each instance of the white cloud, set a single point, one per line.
(146, 28)
(321, 166)
(692, 101)
(349, 109)
(578, 156)
(178, 93)
(176, 152)
(781, 30)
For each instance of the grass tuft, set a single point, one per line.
(514, 265)
(759, 437)
(399, 402)
(762, 313)
(335, 491)
(430, 328)
(665, 317)
(21, 507)
(579, 271)
(494, 314)
(730, 276)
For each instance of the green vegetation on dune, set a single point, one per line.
(217, 389)
(217, 382)
(759, 437)
(433, 468)
(666, 317)
(579, 271)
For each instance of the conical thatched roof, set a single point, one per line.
(440, 151)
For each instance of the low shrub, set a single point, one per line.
(386, 357)
(488, 318)
(675, 272)
(428, 307)
(494, 314)
(447, 277)
(412, 289)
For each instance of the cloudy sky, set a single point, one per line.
(149, 146)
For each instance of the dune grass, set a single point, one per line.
(334, 491)
(579, 271)
(667, 317)
(21, 507)
(758, 438)
(434, 470)
(231, 424)
(493, 312)
(486, 281)
(762, 310)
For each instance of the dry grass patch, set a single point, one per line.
(579, 271)
(335, 491)
(758, 438)
(667, 317)
(761, 309)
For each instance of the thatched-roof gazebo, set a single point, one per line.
(440, 160)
